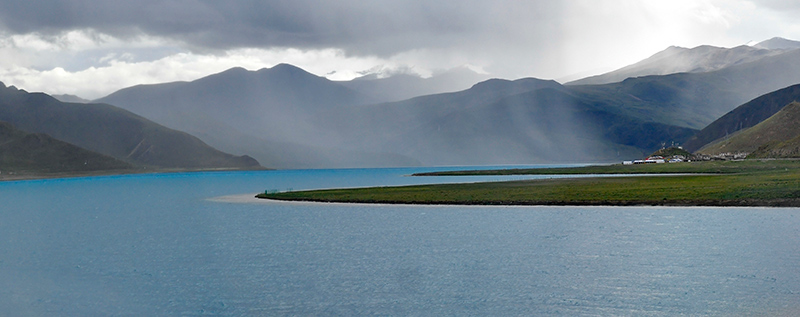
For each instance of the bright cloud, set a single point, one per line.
(118, 69)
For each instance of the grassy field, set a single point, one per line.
(742, 183)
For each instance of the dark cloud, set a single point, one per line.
(507, 38)
(360, 27)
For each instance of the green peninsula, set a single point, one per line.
(713, 183)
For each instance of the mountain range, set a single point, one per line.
(112, 131)
(288, 118)
(285, 117)
(495, 121)
(261, 113)
(696, 99)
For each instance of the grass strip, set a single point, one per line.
(735, 184)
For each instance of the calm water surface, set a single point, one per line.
(163, 245)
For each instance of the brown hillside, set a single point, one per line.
(779, 128)
(786, 149)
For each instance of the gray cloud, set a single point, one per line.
(370, 27)
(780, 5)
(507, 38)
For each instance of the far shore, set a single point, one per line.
(8, 177)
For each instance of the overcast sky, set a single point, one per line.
(92, 48)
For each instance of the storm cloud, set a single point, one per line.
(361, 27)
(506, 38)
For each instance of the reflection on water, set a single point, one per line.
(157, 244)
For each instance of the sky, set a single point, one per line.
(93, 48)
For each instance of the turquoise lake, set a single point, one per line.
(195, 244)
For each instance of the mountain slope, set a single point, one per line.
(276, 97)
(682, 60)
(786, 149)
(744, 116)
(781, 127)
(694, 100)
(112, 131)
(30, 153)
(70, 98)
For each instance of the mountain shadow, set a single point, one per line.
(112, 131)
(36, 153)
(744, 116)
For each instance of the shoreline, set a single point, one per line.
(777, 203)
(251, 199)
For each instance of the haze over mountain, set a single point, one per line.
(112, 131)
(404, 86)
(289, 118)
(775, 136)
(70, 98)
(778, 43)
(264, 114)
(247, 101)
(700, 59)
(694, 100)
(683, 100)
(23, 153)
(496, 121)
(503, 122)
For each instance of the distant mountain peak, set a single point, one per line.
(70, 98)
(778, 43)
(520, 85)
(237, 69)
(491, 82)
(285, 68)
(4, 87)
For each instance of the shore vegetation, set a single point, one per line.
(723, 183)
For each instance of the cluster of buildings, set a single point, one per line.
(657, 159)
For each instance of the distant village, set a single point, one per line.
(679, 155)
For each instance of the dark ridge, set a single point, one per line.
(744, 116)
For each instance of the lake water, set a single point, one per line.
(168, 244)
